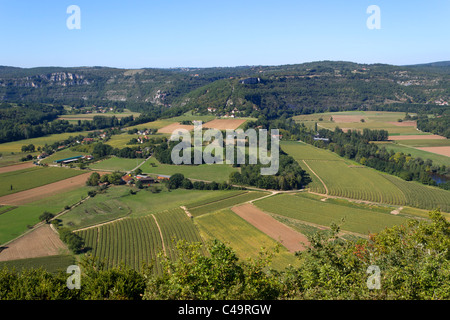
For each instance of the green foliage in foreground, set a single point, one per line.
(413, 260)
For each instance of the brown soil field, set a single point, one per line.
(223, 124)
(41, 242)
(16, 167)
(417, 137)
(445, 151)
(404, 123)
(347, 119)
(31, 195)
(175, 126)
(289, 238)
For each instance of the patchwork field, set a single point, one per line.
(25, 179)
(16, 146)
(289, 238)
(417, 152)
(41, 191)
(359, 120)
(8, 159)
(359, 218)
(226, 202)
(16, 167)
(342, 178)
(244, 238)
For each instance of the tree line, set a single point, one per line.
(439, 125)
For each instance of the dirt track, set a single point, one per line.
(27, 196)
(288, 237)
(41, 242)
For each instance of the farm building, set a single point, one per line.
(163, 177)
(68, 160)
(145, 179)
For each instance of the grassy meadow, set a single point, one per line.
(213, 172)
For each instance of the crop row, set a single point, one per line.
(133, 241)
(218, 205)
(228, 194)
(421, 196)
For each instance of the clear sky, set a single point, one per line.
(207, 33)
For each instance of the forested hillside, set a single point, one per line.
(271, 90)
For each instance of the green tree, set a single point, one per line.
(217, 275)
(175, 181)
(93, 179)
(186, 184)
(46, 216)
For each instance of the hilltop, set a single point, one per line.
(293, 89)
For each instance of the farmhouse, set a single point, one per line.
(42, 155)
(318, 138)
(163, 177)
(128, 178)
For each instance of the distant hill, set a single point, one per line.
(247, 90)
(433, 64)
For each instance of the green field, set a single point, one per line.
(374, 120)
(117, 202)
(417, 143)
(90, 116)
(8, 159)
(16, 146)
(52, 264)
(417, 153)
(103, 207)
(117, 164)
(225, 203)
(213, 172)
(158, 124)
(14, 222)
(133, 241)
(344, 178)
(30, 178)
(63, 154)
(244, 238)
(358, 218)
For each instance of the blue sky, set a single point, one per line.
(199, 33)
